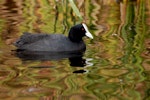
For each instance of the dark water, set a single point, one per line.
(115, 66)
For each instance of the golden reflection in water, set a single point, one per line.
(120, 31)
(10, 12)
(131, 36)
(108, 24)
(148, 12)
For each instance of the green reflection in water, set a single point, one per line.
(134, 39)
(133, 33)
(109, 77)
(28, 13)
(1, 29)
(48, 16)
(134, 36)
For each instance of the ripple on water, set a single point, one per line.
(112, 72)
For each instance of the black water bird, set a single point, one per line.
(55, 42)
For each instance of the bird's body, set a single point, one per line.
(48, 42)
(55, 42)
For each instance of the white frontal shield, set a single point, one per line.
(88, 34)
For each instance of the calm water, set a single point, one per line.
(115, 66)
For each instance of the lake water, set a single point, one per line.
(115, 66)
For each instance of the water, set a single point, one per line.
(115, 65)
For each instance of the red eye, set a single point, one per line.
(83, 29)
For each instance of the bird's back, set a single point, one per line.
(48, 42)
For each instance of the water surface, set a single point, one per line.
(115, 66)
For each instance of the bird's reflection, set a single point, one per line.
(77, 62)
(45, 56)
(80, 71)
(75, 58)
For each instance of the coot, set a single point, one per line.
(55, 42)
